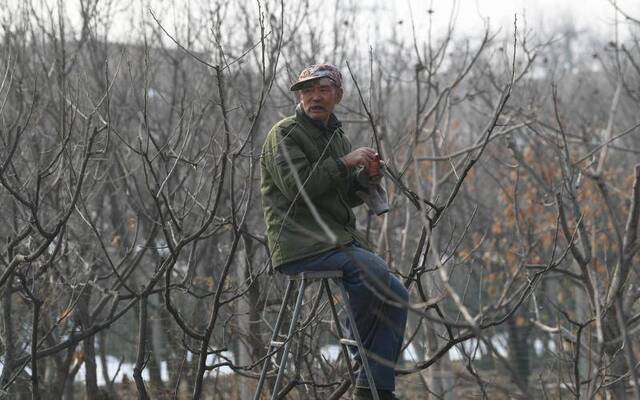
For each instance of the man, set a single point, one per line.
(310, 182)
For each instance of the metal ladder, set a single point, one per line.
(306, 279)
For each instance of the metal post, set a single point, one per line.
(287, 345)
(336, 319)
(356, 337)
(274, 336)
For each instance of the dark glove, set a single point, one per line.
(372, 193)
(376, 198)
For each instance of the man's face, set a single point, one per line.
(319, 98)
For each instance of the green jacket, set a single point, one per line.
(300, 144)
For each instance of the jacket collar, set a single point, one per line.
(315, 125)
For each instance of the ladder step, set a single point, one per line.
(277, 344)
(348, 342)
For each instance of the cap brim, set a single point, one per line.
(298, 85)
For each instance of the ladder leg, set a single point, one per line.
(356, 337)
(303, 325)
(287, 345)
(336, 319)
(314, 307)
(274, 336)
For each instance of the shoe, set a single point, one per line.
(361, 394)
(387, 395)
(365, 394)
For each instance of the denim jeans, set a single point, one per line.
(372, 291)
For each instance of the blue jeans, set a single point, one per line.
(371, 289)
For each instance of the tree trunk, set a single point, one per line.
(105, 365)
(519, 349)
(170, 348)
(440, 374)
(248, 344)
(615, 351)
(7, 333)
(88, 346)
(583, 312)
(91, 376)
(153, 342)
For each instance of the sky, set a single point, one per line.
(376, 18)
(543, 16)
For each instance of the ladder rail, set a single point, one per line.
(306, 279)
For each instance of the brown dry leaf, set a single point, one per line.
(600, 267)
(496, 229)
(65, 314)
(78, 357)
(116, 241)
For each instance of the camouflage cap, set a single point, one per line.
(317, 71)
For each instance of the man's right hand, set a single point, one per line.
(360, 156)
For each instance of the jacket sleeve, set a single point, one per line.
(350, 180)
(289, 160)
(352, 187)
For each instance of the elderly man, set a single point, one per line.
(310, 181)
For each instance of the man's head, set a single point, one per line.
(320, 89)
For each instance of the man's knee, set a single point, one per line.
(399, 290)
(368, 265)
